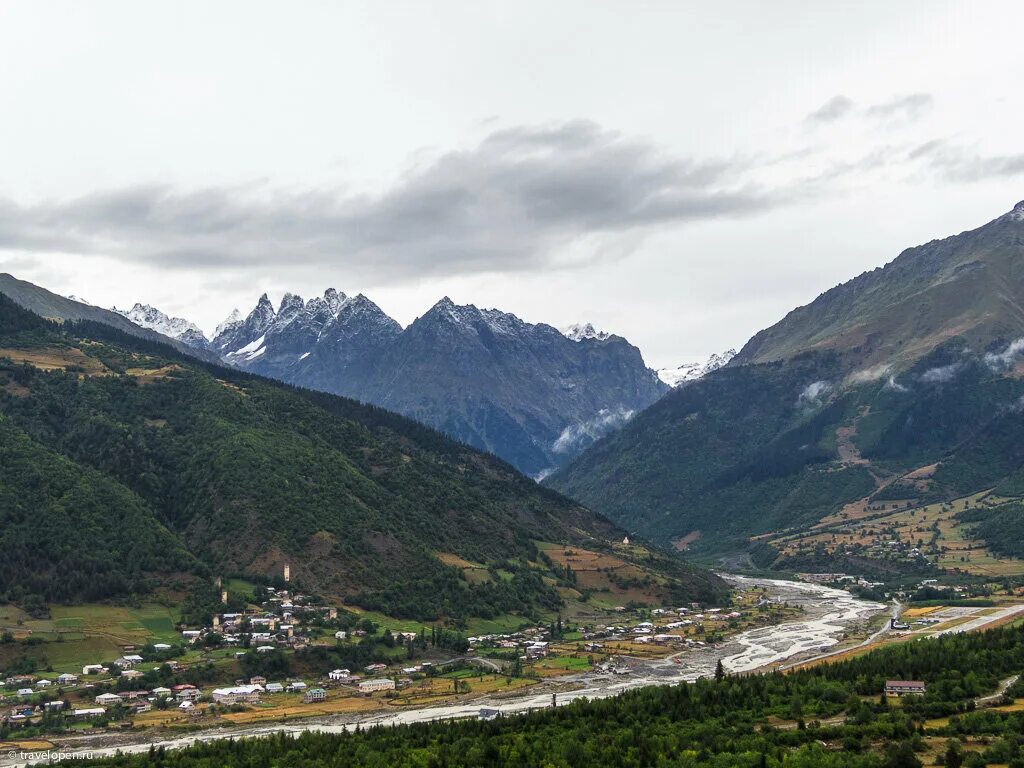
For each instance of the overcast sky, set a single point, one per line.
(680, 175)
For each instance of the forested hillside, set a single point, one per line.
(248, 475)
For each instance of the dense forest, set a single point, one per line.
(714, 722)
(212, 470)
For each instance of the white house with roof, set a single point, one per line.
(376, 684)
(87, 712)
(238, 694)
(108, 699)
(67, 679)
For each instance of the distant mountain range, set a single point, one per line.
(903, 383)
(526, 392)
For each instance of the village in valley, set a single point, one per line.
(276, 654)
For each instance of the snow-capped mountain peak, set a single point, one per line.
(693, 371)
(152, 318)
(235, 318)
(581, 331)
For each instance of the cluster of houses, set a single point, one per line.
(534, 643)
(279, 624)
(665, 631)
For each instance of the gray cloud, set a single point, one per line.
(959, 164)
(908, 107)
(518, 200)
(831, 110)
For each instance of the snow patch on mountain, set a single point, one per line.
(693, 371)
(250, 351)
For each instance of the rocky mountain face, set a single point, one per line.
(526, 392)
(904, 383)
(695, 370)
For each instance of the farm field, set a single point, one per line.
(898, 534)
(57, 359)
(85, 634)
(611, 580)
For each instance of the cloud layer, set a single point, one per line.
(525, 197)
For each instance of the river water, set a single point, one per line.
(827, 615)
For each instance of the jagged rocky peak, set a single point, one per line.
(291, 305)
(231, 321)
(1017, 214)
(334, 300)
(581, 331)
(469, 316)
(264, 312)
(359, 304)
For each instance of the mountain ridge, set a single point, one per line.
(526, 392)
